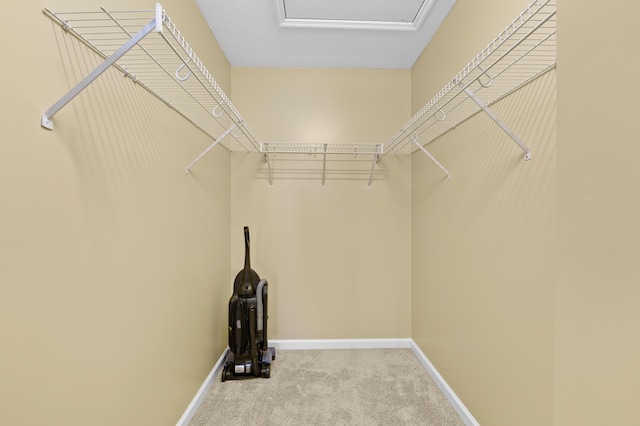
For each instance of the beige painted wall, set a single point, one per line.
(483, 242)
(114, 265)
(322, 105)
(337, 258)
(598, 292)
(468, 28)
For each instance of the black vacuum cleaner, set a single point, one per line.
(249, 355)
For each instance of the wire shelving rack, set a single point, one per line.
(320, 151)
(523, 51)
(146, 46)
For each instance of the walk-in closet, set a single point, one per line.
(458, 210)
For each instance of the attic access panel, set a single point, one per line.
(354, 14)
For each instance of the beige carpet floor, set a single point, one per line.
(331, 387)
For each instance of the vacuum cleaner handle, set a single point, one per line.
(247, 257)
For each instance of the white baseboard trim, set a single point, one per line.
(303, 344)
(202, 392)
(451, 396)
(309, 344)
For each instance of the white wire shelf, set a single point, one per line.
(525, 50)
(320, 148)
(320, 151)
(146, 46)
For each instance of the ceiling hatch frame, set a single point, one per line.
(285, 22)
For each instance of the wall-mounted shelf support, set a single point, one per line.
(47, 118)
(324, 164)
(146, 46)
(373, 165)
(487, 110)
(266, 160)
(423, 149)
(522, 52)
(164, 64)
(209, 148)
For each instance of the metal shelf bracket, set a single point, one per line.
(155, 24)
(209, 148)
(158, 58)
(423, 149)
(376, 157)
(324, 164)
(266, 160)
(487, 110)
(521, 53)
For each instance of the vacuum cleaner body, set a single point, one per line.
(249, 354)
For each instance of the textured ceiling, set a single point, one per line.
(388, 34)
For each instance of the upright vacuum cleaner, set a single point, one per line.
(249, 355)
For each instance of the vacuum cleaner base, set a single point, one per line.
(243, 369)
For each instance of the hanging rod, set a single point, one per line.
(146, 46)
(523, 51)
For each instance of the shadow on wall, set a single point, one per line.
(124, 289)
(486, 165)
(483, 254)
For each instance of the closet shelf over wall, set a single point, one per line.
(322, 150)
(146, 46)
(523, 51)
